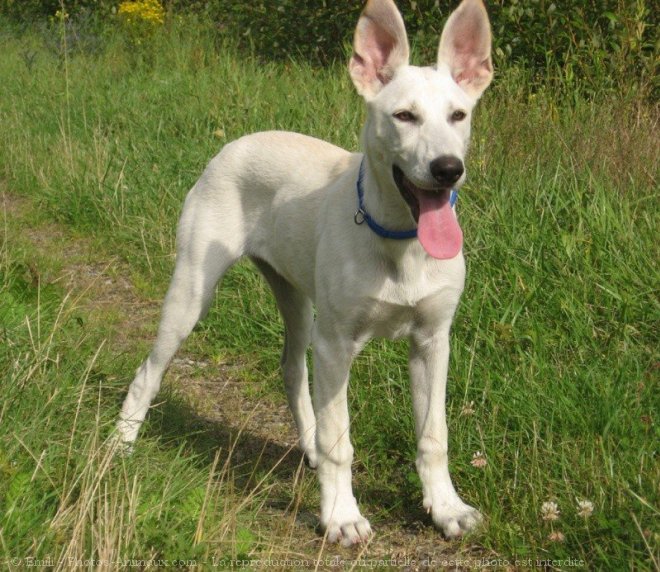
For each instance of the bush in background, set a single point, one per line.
(27, 10)
(583, 44)
(589, 42)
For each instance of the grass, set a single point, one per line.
(554, 367)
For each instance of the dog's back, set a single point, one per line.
(280, 164)
(282, 184)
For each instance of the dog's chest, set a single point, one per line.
(399, 304)
(382, 319)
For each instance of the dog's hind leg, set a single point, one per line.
(296, 310)
(202, 258)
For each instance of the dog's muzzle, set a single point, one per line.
(409, 190)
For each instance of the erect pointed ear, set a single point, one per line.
(465, 47)
(380, 46)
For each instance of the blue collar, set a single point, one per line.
(361, 215)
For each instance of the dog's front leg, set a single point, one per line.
(340, 515)
(429, 358)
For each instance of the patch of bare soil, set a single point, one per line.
(259, 433)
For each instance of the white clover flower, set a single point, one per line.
(585, 508)
(478, 460)
(556, 536)
(468, 409)
(549, 511)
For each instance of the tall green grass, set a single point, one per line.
(553, 372)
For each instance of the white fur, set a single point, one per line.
(288, 201)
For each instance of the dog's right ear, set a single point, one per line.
(380, 46)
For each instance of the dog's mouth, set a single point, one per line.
(411, 193)
(437, 226)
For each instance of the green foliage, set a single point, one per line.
(29, 10)
(585, 43)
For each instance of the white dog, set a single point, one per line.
(371, 240)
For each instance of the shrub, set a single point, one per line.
(583, 44)
(586, 42)
(28, 10)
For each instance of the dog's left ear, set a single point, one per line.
(465, 47)
(380, 46)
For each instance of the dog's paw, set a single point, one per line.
(348, 533)
(345, 524)
(454, 519)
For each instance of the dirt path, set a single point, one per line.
(253, 428)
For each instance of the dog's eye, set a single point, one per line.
(405, 116)
(458, 115)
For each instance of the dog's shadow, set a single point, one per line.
(253, 465)
(262, 466)
(176, 422)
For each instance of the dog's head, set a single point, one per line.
(418, 121)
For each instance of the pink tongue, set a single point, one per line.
(437, 228)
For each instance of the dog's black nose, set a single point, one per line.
(447, 169)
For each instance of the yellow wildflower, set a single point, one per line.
(145, 13)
